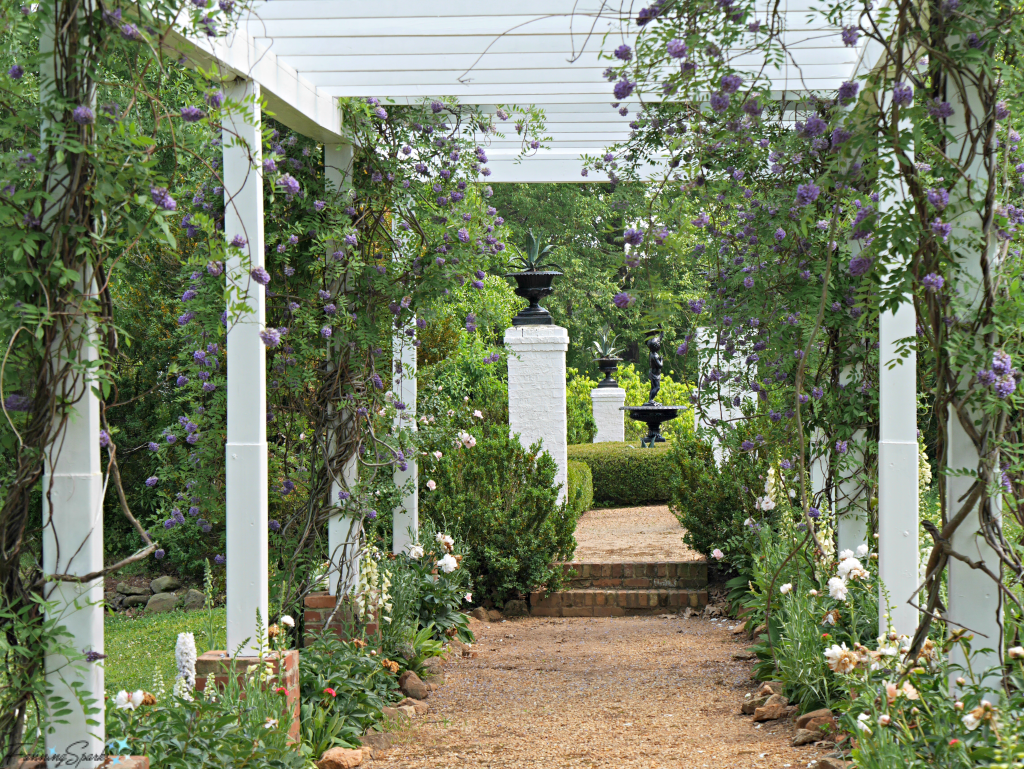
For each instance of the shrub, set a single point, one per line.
(579, 408)
(500, 500)
(580, 495)
(625, 474)
(706, 501)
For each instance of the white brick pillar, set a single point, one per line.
(610, 419)
(536, 390)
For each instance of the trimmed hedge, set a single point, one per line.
(625, 474)
(580, 481)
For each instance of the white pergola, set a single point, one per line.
(300, 56)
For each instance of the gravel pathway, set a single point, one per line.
(627, 534)
(616, 692)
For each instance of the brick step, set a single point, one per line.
(602, 602)
(690, 575)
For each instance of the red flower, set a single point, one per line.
(330, 691)
(954, 742)
(280, 690)
(825, 635)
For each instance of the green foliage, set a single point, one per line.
(580, 482)
(606, 345)
(706, 501)
(625, 474)
(579, 408)
(533, 259)
(500, 500)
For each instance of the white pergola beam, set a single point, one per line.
(246, 475)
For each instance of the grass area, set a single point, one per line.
(137, 646)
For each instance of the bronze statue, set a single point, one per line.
(656, 362)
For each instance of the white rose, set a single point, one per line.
(786, 588)
(287, 621)
(126, 701)
(415, 551)
(844, 554)
(847, 565)
(862, 550)
(448, 564)
(837, 588)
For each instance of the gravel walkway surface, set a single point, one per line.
(628, 534)
(616, 692)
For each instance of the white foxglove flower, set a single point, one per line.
(837, 588)
(448, 564)
(786, 588)
(185, 658)
(181, 689)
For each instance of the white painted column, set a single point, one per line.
(406, 516)
(344, 530)
(610, 419)
(897, 471)
(245, 482)
(73, 544)
(536, 391)
(974, 599)
(723, 408)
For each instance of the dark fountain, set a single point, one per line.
(652, 413)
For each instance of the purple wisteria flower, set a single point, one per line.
(850, 36)
(702, 220)
(290, 185)
(219, 559)
(623, 89)
(730, 83)
(274, 525)
(748, 282)
(260, 275)
(807, 193)
(719, 102)
(624, 52)
(181, 381)
(932, 282)
(376, 381)
(902, 94)
(1005, 386)
(172, 438)
(163, 198)
(939, 109)
(622, 300)
(16, 72)
(848, 92)
(1002, 364)
(160, 553)
(215, 99)
(677, 49)
(696, 306)
(350, 240)
(192, 114)
(747, 445)
(634, 236)
(842, 447)
(463, 235)
(271, 337)
(83, 115)
(1002, 112)
(938, 197)
(986, 377)
(860, 266)
(154, 446)
(942, 229)
(817, 393)
(780, 234)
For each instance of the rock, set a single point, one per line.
(161, 602)
(412, 686)
(804, 737)
(753, 704)
(367, 751)
(744, 655)
(125, 589)
(516, 608)
(494, 615)
(759, 631)
(113, 600)
(769, 688)
(408, 710)
(821, 725)
(393, 714)
(773, 709)
(136, 600)
(164, 584)
(802, 721)
(829, 763)
(433, 666)
(377, 740)
(340, 758)
(688, 612)
(192, 600)
(480, 613)
(419, 707)
(712, 611)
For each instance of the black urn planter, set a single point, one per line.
(608, 366)
(533, 286)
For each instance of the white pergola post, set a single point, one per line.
(536, 391)
(975, 602)
(245, 483)
(343, 528)
(73, 545)
(609, 417)
(406, 516)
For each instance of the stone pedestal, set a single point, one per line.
(286, 674)
(345, 624)
(610, 419)
(536, 391)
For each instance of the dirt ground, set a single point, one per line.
(617, 692)
(630, 534)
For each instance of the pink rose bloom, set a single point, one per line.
(717, 554)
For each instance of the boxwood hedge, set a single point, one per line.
(625, 474)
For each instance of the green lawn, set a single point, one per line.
(135, 647)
